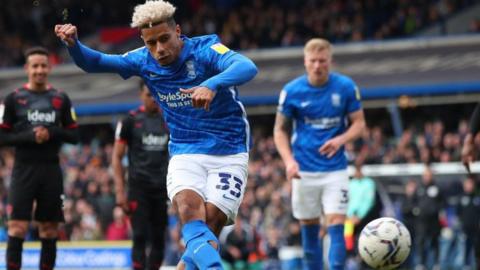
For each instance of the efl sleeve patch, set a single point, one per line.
(118, 131)
(220, 48)
(282, 97)
(73, 114)
(2, 112)
(357, 93)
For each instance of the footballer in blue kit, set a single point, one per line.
(317, 114)
(194, 81)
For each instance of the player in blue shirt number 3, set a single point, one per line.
(310, 133)
(194, 81)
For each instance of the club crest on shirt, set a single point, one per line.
(22, 101)
(335, 99)
(190, 69)
(57, 103)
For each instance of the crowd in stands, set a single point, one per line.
(264, 217)
(241, 24)
(475, 25)
(432, 143)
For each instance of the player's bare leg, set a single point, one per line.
(216, 219)
(181, 266)
(190, 206)
(18, 228)
(48, 229)
(333, 219)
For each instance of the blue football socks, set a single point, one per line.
(312, 249)
(337, 253)
(188, 260)
(197, 236)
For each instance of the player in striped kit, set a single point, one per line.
(310, 132)
(194, 81)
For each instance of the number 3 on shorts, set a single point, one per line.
(225, 183)
(344, 196)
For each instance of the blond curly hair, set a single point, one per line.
(152, 13)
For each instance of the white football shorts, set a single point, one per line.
(320, 193)
(220, 180)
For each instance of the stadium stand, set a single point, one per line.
(269, 23)
(418, 94)
(429, 70)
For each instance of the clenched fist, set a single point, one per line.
(67, 33)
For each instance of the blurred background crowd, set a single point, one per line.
(265, 225)
(242, 25)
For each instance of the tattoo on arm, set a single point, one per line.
(283, 124)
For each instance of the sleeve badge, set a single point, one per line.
(220, 48)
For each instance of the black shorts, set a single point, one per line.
(148, 209)
(40, 183)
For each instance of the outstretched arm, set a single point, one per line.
(236, 70)
(91, 60)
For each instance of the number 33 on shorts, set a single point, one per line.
(226, 192)
(231, 185)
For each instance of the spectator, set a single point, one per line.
(430, 203)
(409, 214)
(293, 242)
(362, 201)
(272, 247)
(243, 24)
(119, 228)
(106, 205)
(237, 246)
(475, 26)
(469, 214)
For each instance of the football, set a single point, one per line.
(384, 243)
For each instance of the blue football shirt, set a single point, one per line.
(319, 114)
(224, 129)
